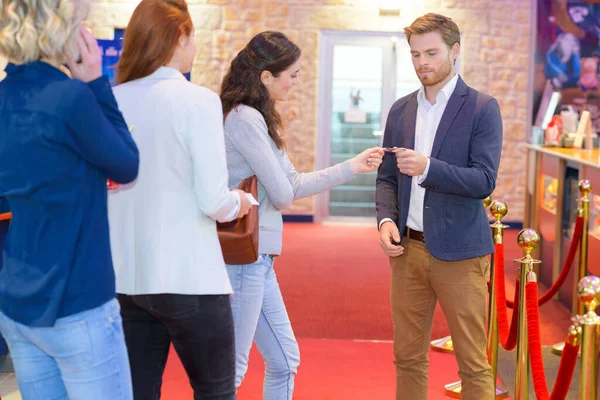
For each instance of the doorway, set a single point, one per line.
(361, 74)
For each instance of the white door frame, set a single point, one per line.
(327, 41)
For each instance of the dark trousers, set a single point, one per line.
(201, 330)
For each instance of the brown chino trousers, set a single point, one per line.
(418, 281)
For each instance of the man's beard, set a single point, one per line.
(437, 76)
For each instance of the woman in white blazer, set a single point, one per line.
(171, 277)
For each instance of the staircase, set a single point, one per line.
(357, 197)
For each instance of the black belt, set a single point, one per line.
(415, 235)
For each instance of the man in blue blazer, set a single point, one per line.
(444, 146)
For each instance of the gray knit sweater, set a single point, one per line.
(250, 151)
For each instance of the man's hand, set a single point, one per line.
(388, 233)
(410, 162)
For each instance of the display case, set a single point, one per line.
(549, 206)
(550, 193)
(570, 204)
(551, 202)
(595, 217)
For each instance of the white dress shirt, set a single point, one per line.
(428, 121)
(162, 226)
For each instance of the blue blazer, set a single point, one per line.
(463, 168)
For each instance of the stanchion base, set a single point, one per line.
(454, 390)
(443, 345)
(560, 347)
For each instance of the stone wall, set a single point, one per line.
(495, 59)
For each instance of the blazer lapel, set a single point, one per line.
(454, 105)
(410, 126)
(410, 123)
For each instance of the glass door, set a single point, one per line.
(356, 106)
(361, 76)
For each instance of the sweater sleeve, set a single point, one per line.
(309, 183)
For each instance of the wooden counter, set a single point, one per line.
(551, 198)
(584, 157)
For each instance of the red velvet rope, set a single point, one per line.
(507, 336)
(567, 361)
(568, 265)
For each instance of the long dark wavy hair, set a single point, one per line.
(267, 51)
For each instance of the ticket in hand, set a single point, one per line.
(252, 199)
(393, 149)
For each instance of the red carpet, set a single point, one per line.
(330, 370)
(335, 282)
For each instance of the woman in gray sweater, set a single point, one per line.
(261, 74)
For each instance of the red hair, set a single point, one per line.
(152, 36)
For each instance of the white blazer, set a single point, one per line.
(162, 226)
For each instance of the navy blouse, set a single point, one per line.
(60, 139)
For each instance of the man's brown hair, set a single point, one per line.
(434, 22)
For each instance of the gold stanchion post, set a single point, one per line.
(588, 291)
(585, 188)
(498, 210)
(528, 240)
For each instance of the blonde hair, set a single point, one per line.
(31, 30)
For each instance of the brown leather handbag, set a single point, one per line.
(239, 238)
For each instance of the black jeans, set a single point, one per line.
(201, 330)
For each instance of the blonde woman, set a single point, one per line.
(61, 139)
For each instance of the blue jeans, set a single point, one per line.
(83, 356)
(259, 313)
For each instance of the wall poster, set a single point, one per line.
(567, 55)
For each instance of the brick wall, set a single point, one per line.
(495, 59)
